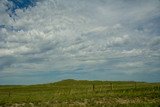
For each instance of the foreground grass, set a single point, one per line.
(72, 93)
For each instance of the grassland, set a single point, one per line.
(82, 93)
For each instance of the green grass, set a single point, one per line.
(82, 93)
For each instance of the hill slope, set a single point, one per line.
(82, 93)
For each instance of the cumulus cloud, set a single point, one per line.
(60, 35)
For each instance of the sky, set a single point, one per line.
(43, 41)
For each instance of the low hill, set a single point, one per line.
(81, 93)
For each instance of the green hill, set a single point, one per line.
(81, 93)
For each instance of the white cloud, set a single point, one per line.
(134, 52)
(118, 40)
(130, 65)
(65, 35)
(4, 52)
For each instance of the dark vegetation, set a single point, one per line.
(82, 93)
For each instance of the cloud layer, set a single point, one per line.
(88, 37)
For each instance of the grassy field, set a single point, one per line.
(81, 93)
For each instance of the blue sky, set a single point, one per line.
(44, 41)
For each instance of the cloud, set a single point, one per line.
(130, 65)
(59, 35)
(6, 62)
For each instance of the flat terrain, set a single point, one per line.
(82, 93)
